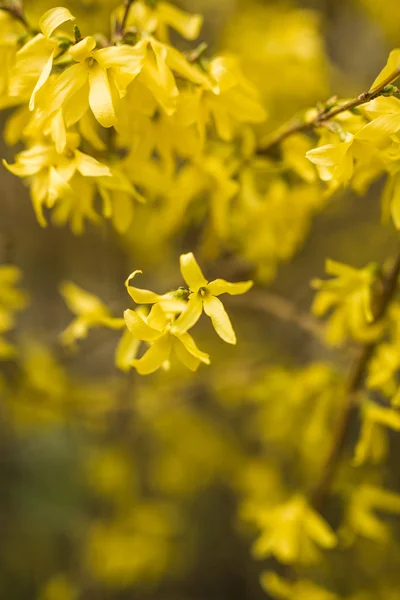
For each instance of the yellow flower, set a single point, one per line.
(34, 62)
(51, 172)
(87, 83)
(361, 518)
(349, 295)
(233, 102)
(339, 162)
(90, 312)
(204, 294)
(292, 532)
(101, 78)
(157, 329)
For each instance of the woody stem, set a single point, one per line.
(298, 125)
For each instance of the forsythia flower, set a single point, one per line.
(361, 519)
(204, 295)
(373, 442)
(349, 294)
(236, 101)
(58, 177)
(292, 532)
(34, 62)
(89, 310)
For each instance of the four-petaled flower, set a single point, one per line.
(204, 294)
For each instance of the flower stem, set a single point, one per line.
(121, 25)
(300, 125)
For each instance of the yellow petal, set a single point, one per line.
(393, 63)
(126, 351)
(157, 318)
(100, 97)
(191, 347)
(44, 75)
(191, 272)
(59, 132)
(83, 49)
(58, 187)
(395, 201)
(81, 302)
(188, 25)
(126, 57)
(214, 308)
(21, 169)
(179, 64)
(139, 328)
(89, 166)
(141, 296)
(328, 155)
(190, 361)
(319, 530)
(157, 354)
(66, 85)
(158, 78)
(88, 129)
(53, 18)
(190, 315)
(220, 286)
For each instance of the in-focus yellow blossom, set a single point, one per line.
(204, 295)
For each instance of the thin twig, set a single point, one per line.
(354, 385)
(299, 125)
(121, 25)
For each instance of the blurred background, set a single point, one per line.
(118, 487)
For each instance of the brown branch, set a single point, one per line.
(354, 385)
(121, 25)
(324, 115)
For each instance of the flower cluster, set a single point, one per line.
(165, 326)
(99, 116)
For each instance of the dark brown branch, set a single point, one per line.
(326, 114)
(354, 385)
(121, 25)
